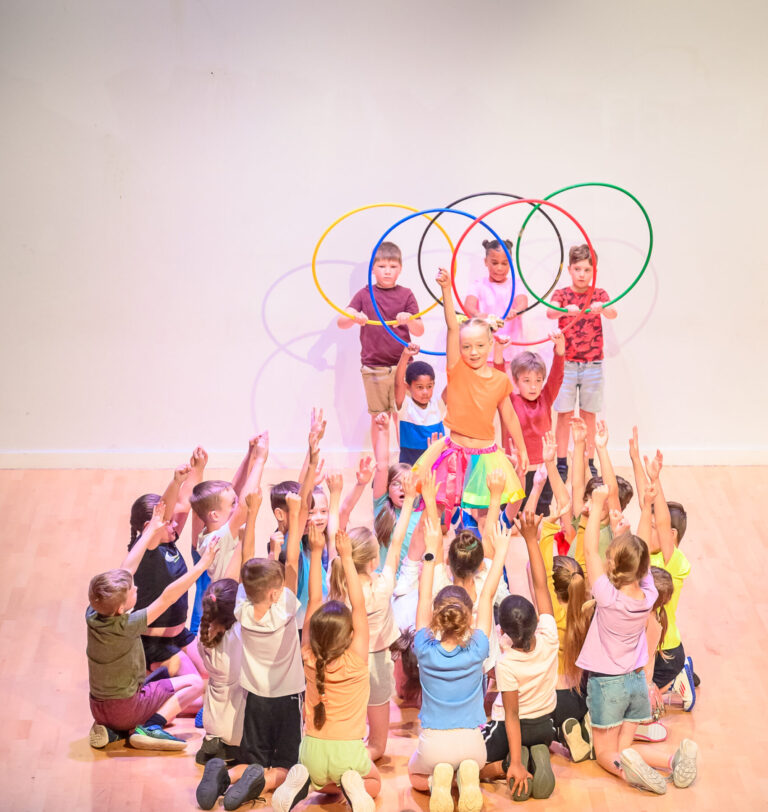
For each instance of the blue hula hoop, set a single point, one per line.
(421, 214)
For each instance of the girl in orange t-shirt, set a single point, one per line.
(335, 653)
(475, 392)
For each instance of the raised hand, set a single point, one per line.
(316, 427)
(653, 468)
(293, 503)
(428, 486)
(601, 434)
(319, 475)
(540, 477)
(157, 521)
(618, 522)
(259, 446)
(253, 501)
(496, 481)
(181, 473)
(579, 430)
(206, 559)
(412, 349)
(433, 538)
(443, 279)
(558, 339)
(634, 445)
(343, 544)
(366, 468)
(549, 447)
(316, 537)
(335, 482)
(276, 541)
(599, 495)
(408, 481)
(527, 525)
(650, 494)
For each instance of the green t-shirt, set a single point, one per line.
(116, 663)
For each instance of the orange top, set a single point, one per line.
(347, 689)
(472, 400)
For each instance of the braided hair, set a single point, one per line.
(218, 611)
(330, 634)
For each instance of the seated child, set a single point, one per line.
(419, 408)
(121, 699)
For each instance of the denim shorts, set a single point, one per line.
(584, 379)
(613, 700)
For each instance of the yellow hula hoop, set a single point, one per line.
(344, 217)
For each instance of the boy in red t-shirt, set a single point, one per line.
(583, 355)
(379, 351)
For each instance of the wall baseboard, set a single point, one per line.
(334, 457)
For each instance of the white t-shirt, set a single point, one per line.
(271, 652)
(533, 674)
(224, 702)
(493, 297)
(382, 628)
(227, 543)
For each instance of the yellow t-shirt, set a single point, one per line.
(679, 568)
(559, 610)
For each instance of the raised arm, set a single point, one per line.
(646, 514)
(485, 600)
(315, 598)
(356, 599)
(181, 585)
(606, 466)
(197, 463)
(316, 433)
(511, 422)
(335, 482)
(661, 508)
(641, 481)
(429, 495)
(400, 386)
(365, 469)
(560, 493)
(528, 526)
(381, 455)
(579, 432)
(408, 481)
(152, 536)
(595, 566)
(258, 454)
(293, 542)
(556, 371)
(246, 549)
(452, 351)
(170, 496)
(433, 541)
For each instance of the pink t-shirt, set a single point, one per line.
(493, 297)
(615, 643)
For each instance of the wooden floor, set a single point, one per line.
(61, 527)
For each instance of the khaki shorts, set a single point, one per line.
(379, 385)
(382, 675)
(327, 760)
(449, 746)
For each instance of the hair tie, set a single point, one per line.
(213, 598)
(471, 545)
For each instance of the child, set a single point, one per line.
(379, 351)
(418, 408)
(335, 652)
(221, 508)
(533, 405)
(490, 295)
(583, 377)
(615, 652)
(271, 671)
(450, 654)
(475, 392)
(383, 631)
(655, 632)
(121, 698)
(527, 678)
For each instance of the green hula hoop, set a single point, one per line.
(566, 189)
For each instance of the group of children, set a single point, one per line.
(299, 642)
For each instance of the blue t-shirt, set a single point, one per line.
(302, 584)
(378, 506)
(451, 681)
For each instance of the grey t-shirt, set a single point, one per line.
(116, 663)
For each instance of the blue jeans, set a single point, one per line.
(623, 698)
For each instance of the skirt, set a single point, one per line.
(461, 473)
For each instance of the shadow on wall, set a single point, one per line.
(320, 356)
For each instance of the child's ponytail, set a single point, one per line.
(665, 586)
(218, 611)
(571, 588)
(330, 633)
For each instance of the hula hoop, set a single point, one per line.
(405, 220)
(512, 270)
(594, 264)
(344, 217)
(590, 292)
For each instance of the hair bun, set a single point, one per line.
(486, 243)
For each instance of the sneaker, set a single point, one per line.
(440, 782)
(574, 740)
(696, 680)
(683, 685)
(353, 789)
(521, 794)
(654, 732)
(213, 784)
(153, 737)
(587, 722)
(641, 775)
(541, 767)
(100, 736)
(293, 790)
(199, 718)
(248, 788)
(211, 747)
(468, 781)
(684, 763)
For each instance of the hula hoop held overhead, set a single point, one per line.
(424, 213)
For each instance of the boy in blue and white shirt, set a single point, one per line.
(418, 407)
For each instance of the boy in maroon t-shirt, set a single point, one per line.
(379, 351)
(583, 374)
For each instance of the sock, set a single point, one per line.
(591, 464)
(562, 462)
(156, 719)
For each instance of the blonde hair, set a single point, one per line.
(330, 634)
(665, 586)
(365, 548)
(452, 614)
(487, 324)
(108, 590)
(627, 560)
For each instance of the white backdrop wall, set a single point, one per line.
(167, 168)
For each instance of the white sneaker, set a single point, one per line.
(654, 732)
(468, 781)
(684, 763)
(440, 782)
(579, 748)
(641, 775)
(293, 790)
(353, 788)
(683, 685)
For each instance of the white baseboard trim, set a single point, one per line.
(334, 457)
